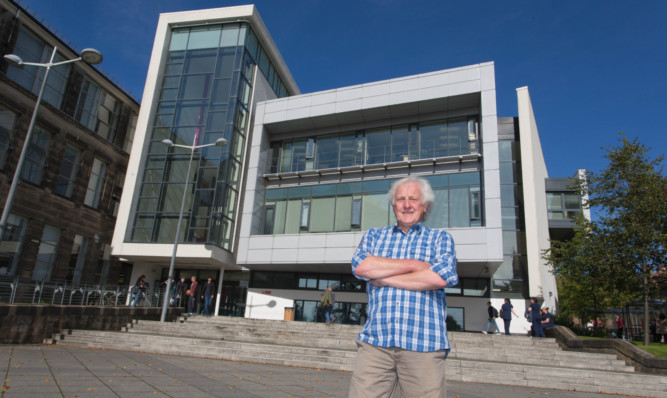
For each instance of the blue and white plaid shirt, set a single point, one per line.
(412, 320)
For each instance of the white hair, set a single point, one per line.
(428, 197)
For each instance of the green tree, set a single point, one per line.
(617, 255)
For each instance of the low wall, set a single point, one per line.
(642, 360)
(30, 324)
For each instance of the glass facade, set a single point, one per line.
(205, 95)
(510, 280)
(442, 138)
(357, 206)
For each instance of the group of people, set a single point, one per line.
(193, 295)
(539, 317)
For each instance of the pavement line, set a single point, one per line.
(85, 367)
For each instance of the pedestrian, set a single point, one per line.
(192, 300)
(506, 312)
(178, 299)
(404, 342)
(493, 314)
(619, 326)
(661, 328)
(536, 317)
(139, 290)
(328, 301)
(209, 293)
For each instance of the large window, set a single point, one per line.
(98, 110)
(95, 183)
(450, 137)
(7, 124)
(357, 206)
(32, 49)
(77, 259)
(69, 166)
(10, 247)
(36, 156)
(46, 256)
(563, 205)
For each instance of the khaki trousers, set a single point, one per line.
(379, 371)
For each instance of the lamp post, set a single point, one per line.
(192, 148)
(88, 55)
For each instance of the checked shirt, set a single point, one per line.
(412, 320)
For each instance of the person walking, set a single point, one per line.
(493, 314)
(506, 311)
(328, 301)
(404, 342)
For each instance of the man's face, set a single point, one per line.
(408, 205)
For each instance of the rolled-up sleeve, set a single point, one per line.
(363, 251)
(445, 261)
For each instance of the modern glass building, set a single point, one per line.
(274, 216)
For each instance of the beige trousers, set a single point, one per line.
(379, 371)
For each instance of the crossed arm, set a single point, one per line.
(402, 274)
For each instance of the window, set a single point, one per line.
(104, 263)
(563, 205)
(35, 160)
(7, 124)
(270, 217)
(32, 49)
(77, 259)
(98, 110)
(46, 255)
(308, 281)
(455, 320)
(10, 247)
(95, 184)
(131, 129)
(355, 219)
(475, 205)
(475, 287)
(68, 169)
(117, 193)
(305, 215)
(401, 143)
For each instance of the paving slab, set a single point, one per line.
(44, 371)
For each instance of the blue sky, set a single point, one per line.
(594, 68)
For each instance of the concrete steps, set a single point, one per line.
(512, 360)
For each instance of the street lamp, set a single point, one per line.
(192, 148)
(88, 55)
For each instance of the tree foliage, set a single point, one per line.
(619, 255)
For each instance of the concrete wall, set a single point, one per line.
(31, 324)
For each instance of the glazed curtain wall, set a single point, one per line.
(204, 95)
(357, 206)
(436, 139)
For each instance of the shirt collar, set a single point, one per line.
(416, 228)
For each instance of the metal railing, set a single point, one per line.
(14, 290)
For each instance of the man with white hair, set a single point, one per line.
(406, 266)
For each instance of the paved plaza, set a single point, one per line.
(45, 371)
